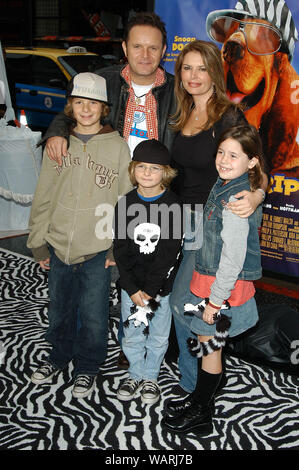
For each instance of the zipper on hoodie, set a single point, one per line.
(67, 257)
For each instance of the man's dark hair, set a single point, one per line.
(145, 18)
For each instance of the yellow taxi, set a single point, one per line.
(41, 75)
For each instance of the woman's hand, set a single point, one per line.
(56, 148)
(247, 205)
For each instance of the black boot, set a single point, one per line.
(175, 407)
(196, 418)
(194, 413)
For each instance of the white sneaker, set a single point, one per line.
(150, 392)
(44, 373)
(83, 386)
(128, 389)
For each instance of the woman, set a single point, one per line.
(203, 113)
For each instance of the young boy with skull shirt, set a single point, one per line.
(147, 249)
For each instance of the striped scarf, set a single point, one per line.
(150, 105)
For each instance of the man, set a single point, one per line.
(136, 115)
(140, 93)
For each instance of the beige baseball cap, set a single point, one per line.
(88, 85)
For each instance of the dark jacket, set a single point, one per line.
(118, 94)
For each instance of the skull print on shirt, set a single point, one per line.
(147, 236)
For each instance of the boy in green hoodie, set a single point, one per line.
(70, 238)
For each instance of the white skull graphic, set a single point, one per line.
(147, 236)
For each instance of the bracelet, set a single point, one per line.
(263, 192)
(217, 307)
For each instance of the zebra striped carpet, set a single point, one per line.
(257, 409)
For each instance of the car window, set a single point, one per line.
(19, 66)
(81, 63)
(46, 73)
(35, 70)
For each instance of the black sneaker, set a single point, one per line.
(128, 389)
(83, 386)
(44, 373)
(150, 392)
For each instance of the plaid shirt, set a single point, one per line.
(150, 106)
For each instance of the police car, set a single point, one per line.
(41, 75)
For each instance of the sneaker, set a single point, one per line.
(122, 361)
(128, 389)
(150, 392)
(83, 386)
(44, 373)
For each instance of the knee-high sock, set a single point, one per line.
(206, 386)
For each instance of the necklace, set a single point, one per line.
(138, 98)
(201, 118)
(196, 117)
(194, 109)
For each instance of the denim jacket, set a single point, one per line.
(208, 257)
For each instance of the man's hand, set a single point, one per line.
(56, 148)
(45, 264)
(247, 205)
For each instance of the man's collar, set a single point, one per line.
(159, 80)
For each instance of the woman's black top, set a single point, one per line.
(194, 158)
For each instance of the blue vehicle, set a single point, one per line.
(41, 75)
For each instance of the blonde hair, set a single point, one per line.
(68, 109)
(218, 103)
(167, 176)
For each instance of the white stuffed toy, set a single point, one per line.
(143, 315)
(196, 348)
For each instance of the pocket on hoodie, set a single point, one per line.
(62, 220)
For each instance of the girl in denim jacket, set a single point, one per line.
(226, 264)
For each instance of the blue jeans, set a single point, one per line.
(120, 333)
(145, 353)
(180, 295)
(78, 313)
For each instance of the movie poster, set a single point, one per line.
(262, 75)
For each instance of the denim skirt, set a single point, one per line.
(242, 318)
